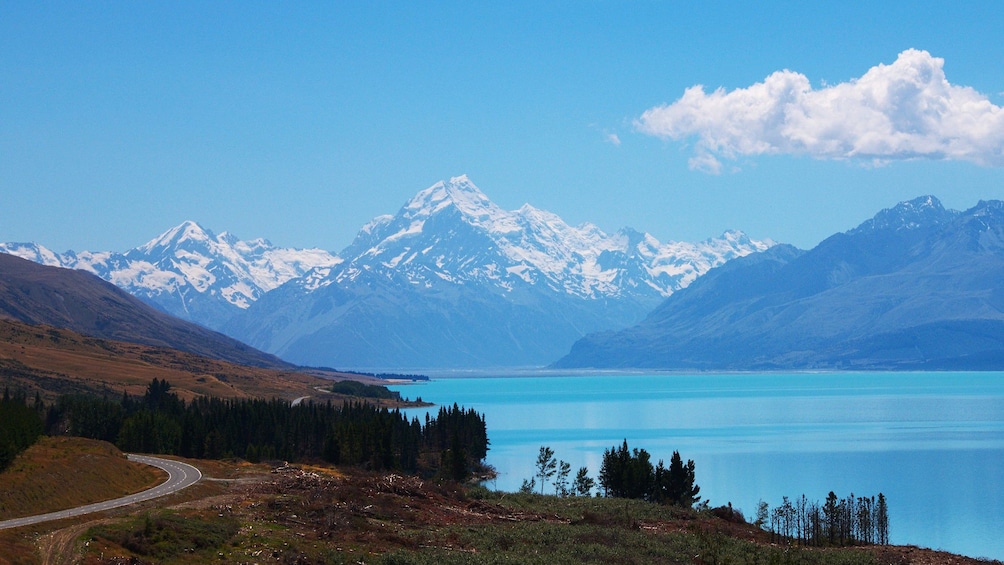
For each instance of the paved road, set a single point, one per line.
(180, 475)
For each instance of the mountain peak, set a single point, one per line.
(459, 192)
(920, 212)
(186, 231)
(986, 208)
(231, 239)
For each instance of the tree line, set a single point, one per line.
(836, 522)
(20, 425)
(630, 474)
(453, 444)
(624, 473)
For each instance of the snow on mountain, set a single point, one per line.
(454, 280)
(240, 270)
(916, 287)
(451, 231)
(189, 271)
(908, 215)
(451, 279)
(33, 252)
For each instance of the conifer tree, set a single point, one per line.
(546, 465)
(561, 480)
(881, 520)
(583, 484)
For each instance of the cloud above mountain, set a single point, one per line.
(905, 110)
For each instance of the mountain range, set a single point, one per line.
(453, 280)
(450, 280)
(915, 287)
(189, 271)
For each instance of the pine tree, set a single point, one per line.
(583, 484)
(528, 486)
(762, 514)
(682, 488)
(881, 521)
(561, 481)
(831, 517)
(546, 466)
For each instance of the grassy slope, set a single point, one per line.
(60, 472)
(84, 303)
(56, 361)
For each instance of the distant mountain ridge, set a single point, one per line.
(450, 280)
(189, 271)
(915, 287)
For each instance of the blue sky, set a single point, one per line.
(300, 122)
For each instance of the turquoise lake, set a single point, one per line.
(933, 443)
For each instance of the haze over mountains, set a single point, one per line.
(915, 287)
(451, 280)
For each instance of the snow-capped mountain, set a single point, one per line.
(451, 231)
(452, 279)
(189, 271)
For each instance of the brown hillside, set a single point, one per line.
(82, 302)
(56, 361)
(63, 472)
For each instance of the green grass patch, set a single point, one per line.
(553, 530)
(550, 543)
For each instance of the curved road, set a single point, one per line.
(180, 475)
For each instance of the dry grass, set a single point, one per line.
(61, 472)
(55, 361)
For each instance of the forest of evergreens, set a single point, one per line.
(630, 474)
(624, 473)
(20, 426)
(363, 390)
(453, 444)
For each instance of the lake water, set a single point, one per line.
(933, 443)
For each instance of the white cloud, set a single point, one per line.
(613, 138)
(906, 110)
